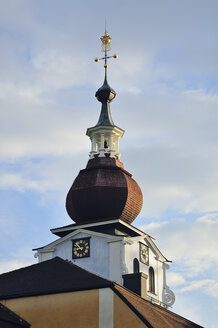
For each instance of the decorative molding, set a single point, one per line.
(82, 226)
(168, 296)
(50, 247)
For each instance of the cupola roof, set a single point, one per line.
(105, 94)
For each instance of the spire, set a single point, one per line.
(105, 93)
(105, 135)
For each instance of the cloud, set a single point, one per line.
(197, 285)
(192, 247)
(49, 175)
(208, 219)
(195, 241)
(206, 286)
(175, 279)
(167, 100)
(16, 182)
(212, 289)
(14, 264)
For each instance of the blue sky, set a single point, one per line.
(166, 79)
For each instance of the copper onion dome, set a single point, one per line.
(104, 190)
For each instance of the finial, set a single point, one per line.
(105, 47)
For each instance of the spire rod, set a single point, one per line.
(106, 47)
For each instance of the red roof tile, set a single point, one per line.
(154, 316)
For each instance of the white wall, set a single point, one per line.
(99, 254)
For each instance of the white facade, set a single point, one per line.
(112, 256)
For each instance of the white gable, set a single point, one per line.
(112, 256)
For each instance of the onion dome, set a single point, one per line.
(104, 191)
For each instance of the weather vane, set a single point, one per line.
(105, 47)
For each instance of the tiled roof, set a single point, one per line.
(48, 277)
(9, 319)
(154, 316)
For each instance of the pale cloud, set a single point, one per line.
(206, 286)
(191, 310)
(49, 174)
(196, 243)
(155, 225)
(17, 182)
(14, 264)
(208, 219)
(37, 121)
(175, 279)
(200, 284)
(212, 289)
(165, 79)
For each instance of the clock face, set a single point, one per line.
(144, 253)
(81, 248)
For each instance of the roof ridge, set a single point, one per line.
(55, 259)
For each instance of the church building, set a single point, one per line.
(101, 271)
(104, 200)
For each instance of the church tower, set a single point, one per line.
(103, 202)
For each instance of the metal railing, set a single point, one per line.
(155, 301)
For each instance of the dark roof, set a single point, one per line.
(9, 319)
(48, 277)
(153, 315)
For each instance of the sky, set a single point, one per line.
(166, 80)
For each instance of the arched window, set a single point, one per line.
(135, 266)
(151, 280)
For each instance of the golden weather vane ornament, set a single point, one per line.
(105, 47)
